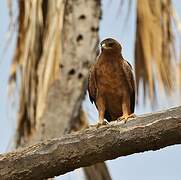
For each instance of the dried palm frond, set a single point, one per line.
(37, 63)
(177, 22)
(154, 46)
(179, 75)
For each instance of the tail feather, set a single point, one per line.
(107, 116)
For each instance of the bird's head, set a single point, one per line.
(110, 45)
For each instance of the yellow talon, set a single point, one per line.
(105, 122)
(126, 117)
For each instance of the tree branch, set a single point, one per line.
(58, 156)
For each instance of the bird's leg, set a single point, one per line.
(101, 109)
(101, 119)
(126, 112)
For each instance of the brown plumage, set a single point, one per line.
(111, 83)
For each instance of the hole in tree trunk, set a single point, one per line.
(82, 16)
(71, 72)
(79, 37)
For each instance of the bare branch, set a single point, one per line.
(58, 156)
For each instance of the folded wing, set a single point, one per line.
(92, 87)
(131, 81)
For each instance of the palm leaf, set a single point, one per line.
(37, 63)
(154, 47)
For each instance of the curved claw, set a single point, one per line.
(105, 122)
(126, 117)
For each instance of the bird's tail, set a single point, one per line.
(107, 116)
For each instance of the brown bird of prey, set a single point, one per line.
(111, 84)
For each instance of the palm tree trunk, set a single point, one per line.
(56, 45)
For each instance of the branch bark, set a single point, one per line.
(58, 156)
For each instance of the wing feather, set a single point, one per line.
(92, 87)
(131, 81)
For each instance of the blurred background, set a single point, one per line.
(153, 49)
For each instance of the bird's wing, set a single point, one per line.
(131, 81)
(92, 87)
